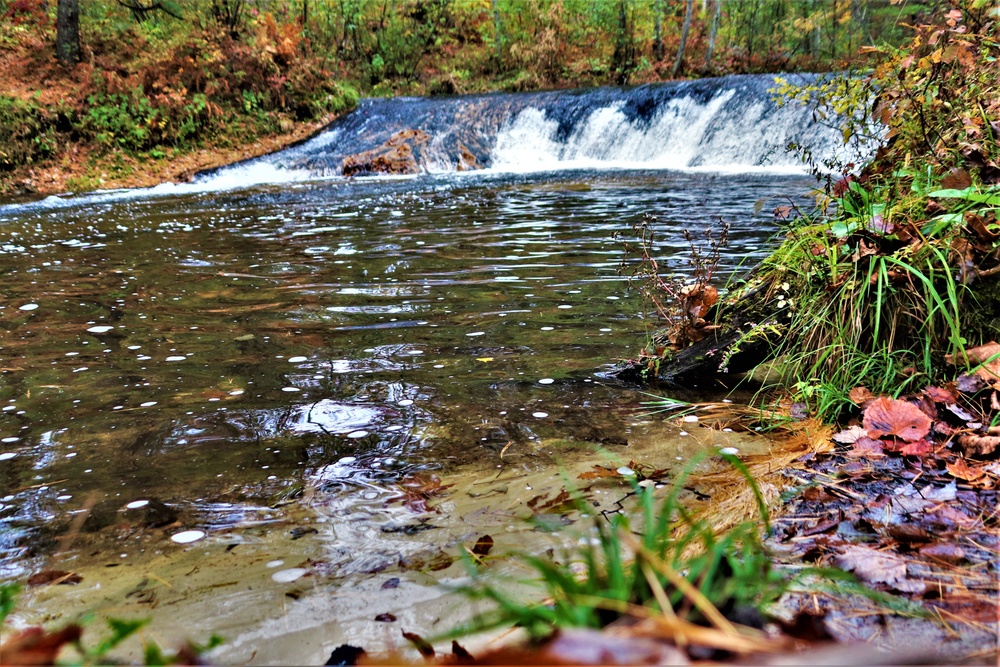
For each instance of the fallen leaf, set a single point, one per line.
(46, 577)
(986, 356)
(866, 448)
(940, 395)
(970, 384)
(860, 395)
(889, 416)
(950, 553)
(961, 470)
(483, 545)
(956, 179)
(850, 435)
(484, 359)
(918, 448)
(979, 445)
(877, 567)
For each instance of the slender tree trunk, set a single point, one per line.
(712, 32)
(68, 32)
(657, 31)
(684, 37)
(497, 32)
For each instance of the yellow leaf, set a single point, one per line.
(484, 359)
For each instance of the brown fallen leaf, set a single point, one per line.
(949, 553)
(46, 577)
(889, 416)
(961, 470)
(483, 545)
(940, 395)
(866, 448)
(860, 395)
(877, 567)
(978, 445)
(986, 356)
(850, 435)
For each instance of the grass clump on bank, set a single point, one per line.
(904, 273)
(898, 269)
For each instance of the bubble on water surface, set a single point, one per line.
(546, 381)
(29, 306)
(7, 456)
(394, 427)
(289, 575)
(103, 328)
(297, 360)
(136, 504)
(357, 434)
(10, 439)
(690, 419)
(176, 358)
(405, 402)
(548, 328)
(236, 392)
(347, 459)
(290, 389)
(732, 451)
(147, 404)
(274, 563)
(476, 333)
(187, 536)
(134, 347)
(564, 306)
(605, 329)
(540, 415)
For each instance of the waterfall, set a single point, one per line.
(727, 124)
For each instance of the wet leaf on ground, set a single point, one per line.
(877, 567)
(46, 577)
(890, 416)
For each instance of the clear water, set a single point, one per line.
(304, 352)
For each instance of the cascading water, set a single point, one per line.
(728, 124)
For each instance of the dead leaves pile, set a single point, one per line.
(908, 501)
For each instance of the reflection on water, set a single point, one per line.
(234, 357)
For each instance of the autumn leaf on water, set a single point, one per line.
(889, 416)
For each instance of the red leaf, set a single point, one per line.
(888, 416)
(917, 448)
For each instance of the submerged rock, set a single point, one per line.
(395, 156)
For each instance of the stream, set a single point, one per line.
(273, 403)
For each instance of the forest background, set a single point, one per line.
(140, 91)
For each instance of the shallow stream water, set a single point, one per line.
(336, 381)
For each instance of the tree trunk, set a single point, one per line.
(712, 32)
(684, 37)
(497, 33)
(68, 32)
(657, 31)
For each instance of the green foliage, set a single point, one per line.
(679, 564)
(27, 133)
(885, 287)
